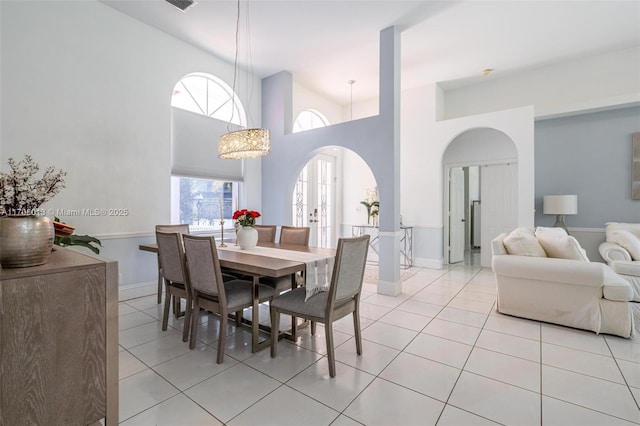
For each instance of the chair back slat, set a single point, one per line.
(266, 233)
(298, 235)
(182, 228)
(348, 270)
(203, 266)
(171, 255)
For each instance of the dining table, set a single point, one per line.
(273, 260)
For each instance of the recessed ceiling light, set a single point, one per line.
(487, 71)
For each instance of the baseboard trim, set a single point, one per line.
(389, 288)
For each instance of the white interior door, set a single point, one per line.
(314, 200)
(456, 215)
(499, 207)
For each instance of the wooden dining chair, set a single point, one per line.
(174, 274)
(266, 233)
(298, 235)
(181, 228)
(343, 297)
(212, 293)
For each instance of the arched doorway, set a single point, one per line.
(328, 192)
(480, 194)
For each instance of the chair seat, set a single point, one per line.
(315, 306)
(279, 284)
(239, 294)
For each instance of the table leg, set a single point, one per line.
(256, 345)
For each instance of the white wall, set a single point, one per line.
(357, 177)
(304, 99)
(583, 83)
(88, 90)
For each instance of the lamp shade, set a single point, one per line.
(246, 143)
(560, 204)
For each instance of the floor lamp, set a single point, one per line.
(560, 205)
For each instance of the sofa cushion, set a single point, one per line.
(557, 243)
(628, 241)
(612, 227)
(523, 242)
(615, 287)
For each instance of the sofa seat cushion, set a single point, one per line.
(558, 244)
(523, 242)
(628, 241)
(630, 271)
(615, 287)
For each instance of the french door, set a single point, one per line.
(314, 200)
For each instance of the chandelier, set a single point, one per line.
(246, 143)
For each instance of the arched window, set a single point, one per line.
(209, 96)
(309, 119)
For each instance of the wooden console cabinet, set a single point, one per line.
(59, 342)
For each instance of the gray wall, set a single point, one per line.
(588, 155)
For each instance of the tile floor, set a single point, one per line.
(437, 354)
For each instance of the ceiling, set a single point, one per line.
(326, 43)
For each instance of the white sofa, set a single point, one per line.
(618, 251)
(574, 293)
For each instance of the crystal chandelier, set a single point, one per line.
(246, 143)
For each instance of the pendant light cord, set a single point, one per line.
(235, 70)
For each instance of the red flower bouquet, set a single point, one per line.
(246, 217)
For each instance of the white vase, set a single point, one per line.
(247, 237)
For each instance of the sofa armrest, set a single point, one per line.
(626, 267)
(612, 251)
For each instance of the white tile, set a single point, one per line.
(178, 410)
(520, 327)
(294, 406)
(374, 358)
(630, 371)
(160, 350)
(471, 305)
(422, 375)
(460, 316)
(388, 335)
(470, 294)
(384, 300)
(438, 349)
(141, 391)
(238, 344)
(556, 412)
(345, 324)
(600, 395)
(625, 349)
(219, 394)
(452, 416)
(385, 403)
(405, 320)
(420, 308)
(510, 345)
(193, 367)
(144, 333)
(343, 420)
(290, 360)
(318, 342)
(336, 392)
(441, 290)
(133, 319)
(452, 330)
(372, 312)
(505, 368)
(591, 364)
(124, 309)
(129, 365)
(142, 303)
(497, 401)
(432, 298)
(576, 339)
